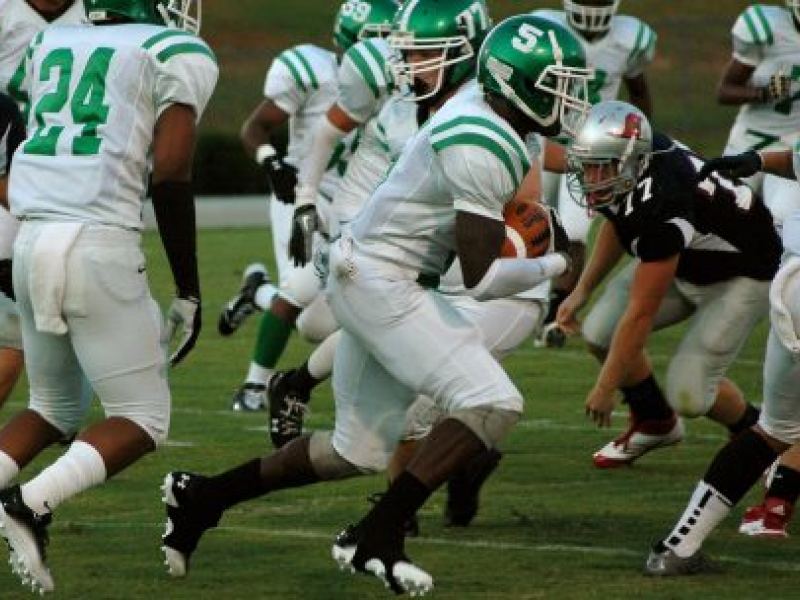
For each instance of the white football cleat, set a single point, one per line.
(25, 533)
(639, 439)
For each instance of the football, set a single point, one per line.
(527, 229)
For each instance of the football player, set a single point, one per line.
(445, 194)
(619, 48)
(704, 251)
(137, 83)
(300, 87)
(740, 463)
(20, 20)
(763, 79)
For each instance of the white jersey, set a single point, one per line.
(765, 37)
(303, 82)
(465, 158)
(96, 93)
(623, 53)
(365, 79)
(19, 22)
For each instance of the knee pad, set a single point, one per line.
(327, 463)
(151, 416)
(317, 322)
(301, 286)
(490, 424)
(421, 418)
(689, 389)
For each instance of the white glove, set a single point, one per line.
(184, 315)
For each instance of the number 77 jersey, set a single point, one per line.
(94, 95)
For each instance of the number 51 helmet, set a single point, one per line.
(180, 14)
(608, 154)
(540, 68)
(358, 19)
(448, 32)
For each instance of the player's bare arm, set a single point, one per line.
(734, 87)
(478, 242)
(259, 127)
(650, 284)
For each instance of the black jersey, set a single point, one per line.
(12, 131)
(720, 227)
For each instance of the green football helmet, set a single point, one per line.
(454, 28)
(359, 19)
(591, 17)
(180, 14)
(540, 68)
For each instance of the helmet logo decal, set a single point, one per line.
(527, 37)
(632, 128)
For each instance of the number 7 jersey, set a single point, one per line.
(94, 96)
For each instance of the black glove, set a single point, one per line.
(183, 319)
(6, 279)
(304, 224)
(738, 165)
(281, 178)
(559, 234)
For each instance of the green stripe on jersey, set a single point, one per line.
(480, 122)
(307, 66)
(164, 35)
(480, 140)
(188, 48)
(380, 60)
(293, 70)
(764, 23)
(366, 72)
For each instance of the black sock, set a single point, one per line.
(746, 421)
(405, 496)
(234, 486)
(785, 484)
(739, 464)
(302, 382)
(646, 400)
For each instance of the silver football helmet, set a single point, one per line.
(591, 16)
(608, 154)
(794, 6)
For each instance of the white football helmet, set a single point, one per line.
(608, 154)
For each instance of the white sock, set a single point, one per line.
(258, 374)
(80, 468)
(264, 295)
(8, 469)
(706, 509)
(320, 363)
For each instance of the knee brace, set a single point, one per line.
(326, 462)
(490, 424)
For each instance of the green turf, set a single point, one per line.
(551, 526)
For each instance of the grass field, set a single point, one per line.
(551, 526)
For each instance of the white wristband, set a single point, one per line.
(263, 152)
(509, 276)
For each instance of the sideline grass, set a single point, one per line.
(551, 526)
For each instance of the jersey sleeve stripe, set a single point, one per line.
(478, 123)
(189, 48)
(307, 67)
(751, 27)
(380, 64)
(164, 35)
(293, 70)
(477, 139)
(366, 73)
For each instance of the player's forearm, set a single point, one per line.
(605, 255)
(627, 344)
(778, 163)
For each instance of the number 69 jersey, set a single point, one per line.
(720, 227)
(95, 94)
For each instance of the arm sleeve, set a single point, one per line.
(314, 165)
(187, 77)
(284, 84)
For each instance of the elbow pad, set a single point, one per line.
(510, 276)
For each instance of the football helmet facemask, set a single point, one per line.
(608, 154)
(591, 16)
(449, 32)
(540, 68)
(359, 19)
(180, 14)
